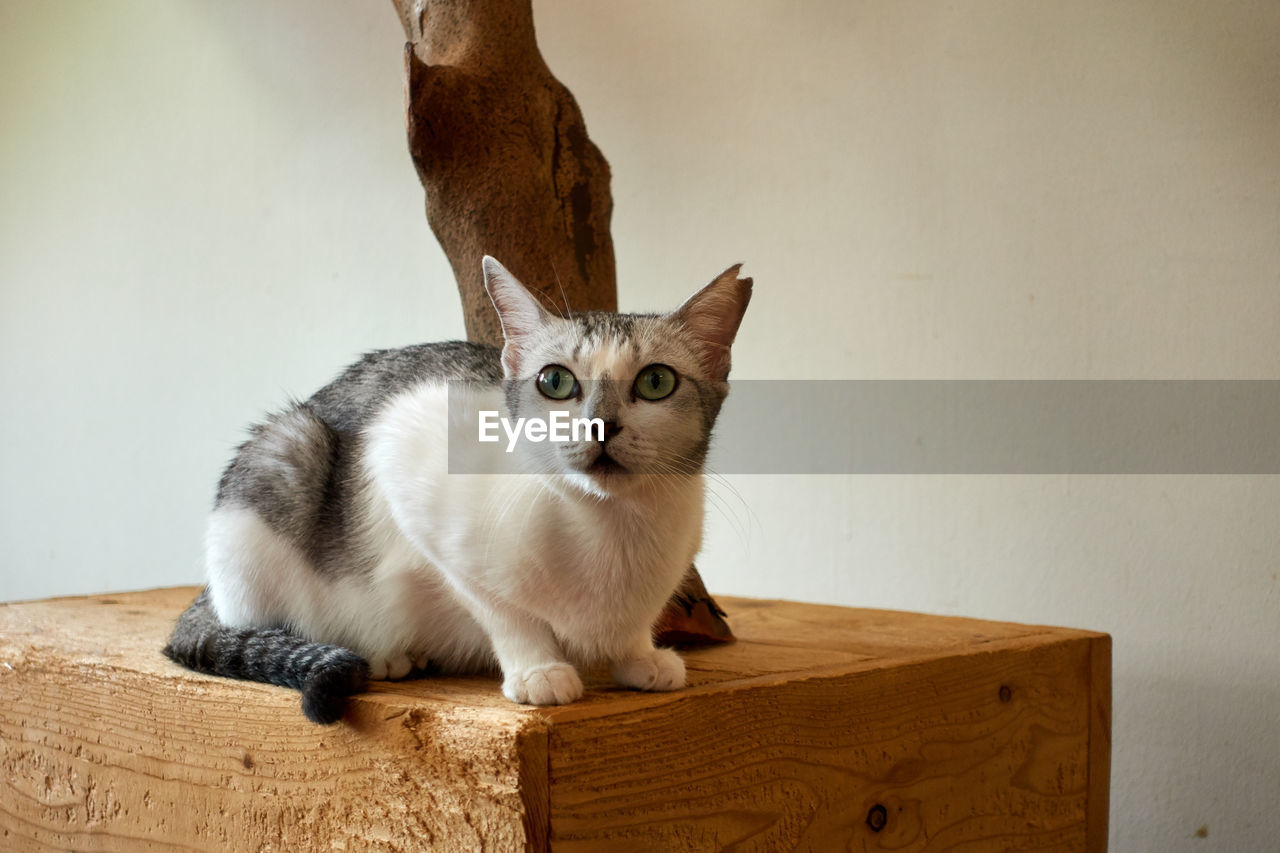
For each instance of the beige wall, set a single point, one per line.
(207, 206)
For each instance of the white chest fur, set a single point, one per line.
(597, 571)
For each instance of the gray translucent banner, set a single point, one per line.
(990, 427)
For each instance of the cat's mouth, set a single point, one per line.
(605, 465)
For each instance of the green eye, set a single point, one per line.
(557, 382)
(655, 382)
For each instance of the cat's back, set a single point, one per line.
(297, 466)
(356, 396)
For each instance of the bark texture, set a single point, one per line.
(502, 151)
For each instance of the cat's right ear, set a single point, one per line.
(518, 310)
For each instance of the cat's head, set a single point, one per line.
(655, 381)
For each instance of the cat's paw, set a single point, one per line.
(389, 667)
(550, 684)
(660, 669)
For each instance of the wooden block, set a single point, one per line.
(822, 728)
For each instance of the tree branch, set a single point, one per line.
(502, 150)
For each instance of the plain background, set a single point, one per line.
(207, 206)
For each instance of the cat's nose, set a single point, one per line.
(611, 428)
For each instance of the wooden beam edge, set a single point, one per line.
(579, 712)
(532, 746)
(1098, 803)
(1033, 629)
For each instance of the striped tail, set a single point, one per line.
(326, 674)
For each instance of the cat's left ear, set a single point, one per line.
(518, 310)
(712, 316)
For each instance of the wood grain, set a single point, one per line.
(109, 746)
(792, 765)
(958, 734)
(1099, 813)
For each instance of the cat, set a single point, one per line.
(341, 548)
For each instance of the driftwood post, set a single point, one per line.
(503, 154)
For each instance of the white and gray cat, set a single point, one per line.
(341, 548)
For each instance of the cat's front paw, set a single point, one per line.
(389, 667)
(550, 684)
(660, 669)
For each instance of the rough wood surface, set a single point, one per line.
(822, 728)
(107, 745)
